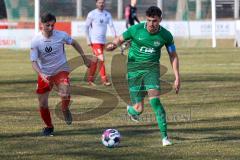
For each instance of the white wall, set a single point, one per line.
(21, 38)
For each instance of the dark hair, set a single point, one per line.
(154, 11)
(47, 17)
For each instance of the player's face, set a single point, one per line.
(100, 4)
(133, 2)
(48, 27)
(153, 24)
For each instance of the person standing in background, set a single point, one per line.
(131, 14)
(96, 28)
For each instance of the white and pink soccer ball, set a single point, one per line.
(111, 138)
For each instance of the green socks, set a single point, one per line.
(160, 116)
(159, 112)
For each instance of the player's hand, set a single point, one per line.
(110, 46)
(44, 77)
(177, 85)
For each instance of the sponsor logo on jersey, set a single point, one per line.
(147, 50)
(48, 49)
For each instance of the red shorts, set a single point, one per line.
(97, 48)
(60, 78)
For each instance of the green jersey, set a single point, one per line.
(145, 46)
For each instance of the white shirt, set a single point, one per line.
(50, 53)
(96, 26)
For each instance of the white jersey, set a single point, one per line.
(50, 53)
(96, 26)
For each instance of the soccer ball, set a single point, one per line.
(111, 138)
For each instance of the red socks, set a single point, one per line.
(102, 70)
(46, 117)
(91, 71)
(65, 103)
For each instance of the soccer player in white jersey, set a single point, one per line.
(96, 28)
(49, 61)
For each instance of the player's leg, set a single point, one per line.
(102, 70)
(152, 84)
(63, 86)
(136, 19)
(137, 95)
(43, 93)
(93, 67)
(160, 114)
(135, 110)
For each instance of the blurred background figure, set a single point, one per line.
(131, 13)
(96, 29)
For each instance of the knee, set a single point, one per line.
(66, 97)
(43, 100)
(100, 58)
(101, 61)
(64, 92)
(43, 103)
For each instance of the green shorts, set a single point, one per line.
(141, 80)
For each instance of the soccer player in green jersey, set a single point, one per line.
(143, 71)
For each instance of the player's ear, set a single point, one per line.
(160, 19)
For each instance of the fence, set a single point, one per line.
(184, 18)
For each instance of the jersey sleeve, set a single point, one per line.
(128, 34)
(33, 51)
(67, 39)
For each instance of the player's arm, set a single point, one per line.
(112, 28)
(174, 60)
(88, 25)
(136, 17)
(117, 41)
(79, 49)
(35, 66)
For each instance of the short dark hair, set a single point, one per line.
(154, 11)
(47, 17)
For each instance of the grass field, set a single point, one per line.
(204, 119)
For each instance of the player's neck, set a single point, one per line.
(47, 35)
(100, 10)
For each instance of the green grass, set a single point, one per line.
(204, 119)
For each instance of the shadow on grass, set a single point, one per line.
(139, 130)
(109, 102)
